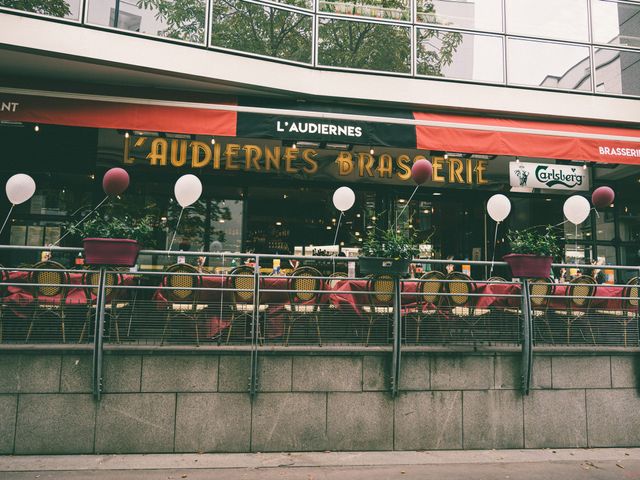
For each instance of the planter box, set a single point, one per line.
(528, 266)
(110, 251)
(383, 266)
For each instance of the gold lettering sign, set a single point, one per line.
(235, 157)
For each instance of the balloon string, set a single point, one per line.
(175, 231)
(83, 219)
(7, 219)
(405, 207)
(335, 239)
(493, 257)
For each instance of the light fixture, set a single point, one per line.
(401, 200)
(328, 227)
(213, 141)
(333, 220)
(584, 166)
(342, 244)
(517, 159)
(284, 196)
(278, 224)
(357, 234)
(221, 220)
(372, 151)
(294, 146)
(426, 210)
(92, 176)
(357, 215)
(36, 128)
(126, 134)
(374, 218)
(547, 199)
(437, 194)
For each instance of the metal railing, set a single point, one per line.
(246, 309)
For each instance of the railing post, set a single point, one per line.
(255, 329)
(527, 338)
(98, 336)
(397, 337)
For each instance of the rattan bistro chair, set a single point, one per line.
(427, 304)
(380, 308)
(579, 293)
(49, 294)
(112, 306)
(182, 297)
(242, 281)
(629, 312)
(304, 288)
(541, 290)
(4, 277)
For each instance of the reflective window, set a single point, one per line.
(616, 23)
(370, 46)
(308, 4)
(630, 222)
(55, 8)
(177, 19)
(459, 55)
(617, 71)
(261, 29)
(545, 64)
(566, 19)
(605, 226)
(390, 10)
(477, 15)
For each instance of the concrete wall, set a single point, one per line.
(198, 403)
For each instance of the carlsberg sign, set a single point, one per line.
(544, 175)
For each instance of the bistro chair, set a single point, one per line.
(579, 293)
(336, 278)
(49, 294)
(457, 287)
(541, 291)
(242, 282)
(304, 287)
(112, 306)
(180, 289)
(427, 303)
(629, 311)
(380, 308)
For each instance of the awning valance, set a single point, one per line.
(324, 123)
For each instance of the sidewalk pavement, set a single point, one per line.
(567, 464)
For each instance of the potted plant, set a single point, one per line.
(532, 252)
(387, 251)
(109, 240)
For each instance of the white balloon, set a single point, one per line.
(576, 209)
(344, 198)
(498, 207)
(188, 189)
(20, 188)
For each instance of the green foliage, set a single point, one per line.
(535, 242)
(390, 243)
(55, 8)
(184, 18)
(99, 226)
(263, 30)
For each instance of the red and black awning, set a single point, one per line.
(325, 124)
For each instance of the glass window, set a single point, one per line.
(262, 30)
(459, 55)
(369, 46)
(396, 10)
(616, 23)
(606, 255)
(476, 15)
(605, 225)
(69, 9)
(579, 232)
(630, 222)
(177, 19)
(617, 71)
(565, 20)
(545, 64)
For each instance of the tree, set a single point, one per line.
(55, 8)
(262, 29)
(185, 19)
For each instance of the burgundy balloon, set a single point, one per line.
(602, 197)
(115, 181)
(421, 171)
